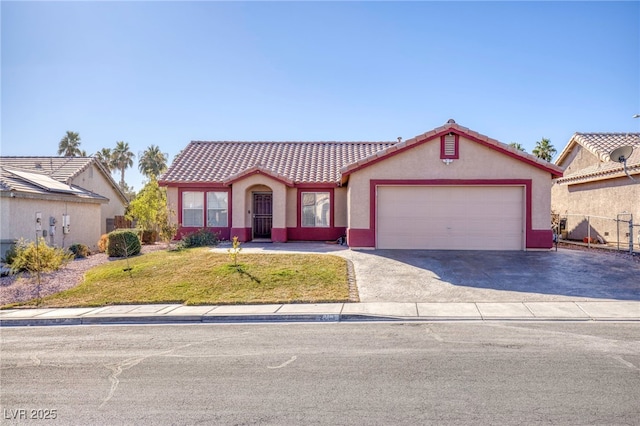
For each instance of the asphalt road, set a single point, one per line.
(336, 373)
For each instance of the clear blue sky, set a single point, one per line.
(166, 73)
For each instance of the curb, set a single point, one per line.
(274, 318)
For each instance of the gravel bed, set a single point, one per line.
(23, 287)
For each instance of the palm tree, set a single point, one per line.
(69, 145)
(122, 159)
(105, 157)
(517, 146)
(152, 162)
(544, 149)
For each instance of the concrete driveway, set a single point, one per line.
(480, 276)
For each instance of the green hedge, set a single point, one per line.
(123, 243)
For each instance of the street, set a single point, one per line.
(323, 373)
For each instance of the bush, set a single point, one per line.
(200, 238)
(27, 256)
(123, 243)
(103, 243)
(79, 250)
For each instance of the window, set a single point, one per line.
(192, 208)
(315, 209)
(449, 146)
(217, 209)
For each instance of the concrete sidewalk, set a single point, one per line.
(327, 312)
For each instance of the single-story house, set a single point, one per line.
(74, 198)
(449, 188)
(594, 185)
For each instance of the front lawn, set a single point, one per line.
(201, 277)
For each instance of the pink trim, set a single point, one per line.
(299, 205)
(315, 234)
(539, 238)
(279, 235)
(256, 170)
(361, 238)
(204, 189)
(534, 238)
(437, 133)
(456, 154)
(243, 234)
(184, 230)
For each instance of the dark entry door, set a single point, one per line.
(262, 215)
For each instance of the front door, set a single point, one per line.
(262, 214)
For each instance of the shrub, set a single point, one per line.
(79, 250)
(123, 243)
(27, 256)
(103, 243)
(200, 238)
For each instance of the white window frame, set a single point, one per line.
(191, 206)
(317, 209)
(212, 212)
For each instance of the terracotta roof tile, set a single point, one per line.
(601, 145)
(299, 162)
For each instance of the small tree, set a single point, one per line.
(234, 251)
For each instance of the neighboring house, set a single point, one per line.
(593, 185)
(74, 190)
(450, 188)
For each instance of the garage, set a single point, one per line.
(450, 217)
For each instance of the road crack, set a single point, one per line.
(284, 364)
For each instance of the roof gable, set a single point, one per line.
(449, 127)
(257, 170)
(600, 145)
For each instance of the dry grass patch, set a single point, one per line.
(199, 277)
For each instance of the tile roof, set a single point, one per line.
(61, 169)
(601, 145)
(308, 162)
(298, 162)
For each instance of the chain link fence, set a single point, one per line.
(620, 232)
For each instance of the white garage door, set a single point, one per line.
(450, 217)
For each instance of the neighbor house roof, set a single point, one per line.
(292, 162)
(601, 145)
(49, 175)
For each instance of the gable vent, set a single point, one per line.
(449, 145)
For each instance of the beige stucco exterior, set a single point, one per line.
(242, 200)
(93, 180)
(88, 215)
(600, 199)
(422, 162)
(19, 219)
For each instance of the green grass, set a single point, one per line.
(201, 277)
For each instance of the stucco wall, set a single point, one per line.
(94, 180)
(172, 204)
(242, 200)
(340, 207)
(578, 159)
(605, 198)
(19, 220)
(423, 162)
